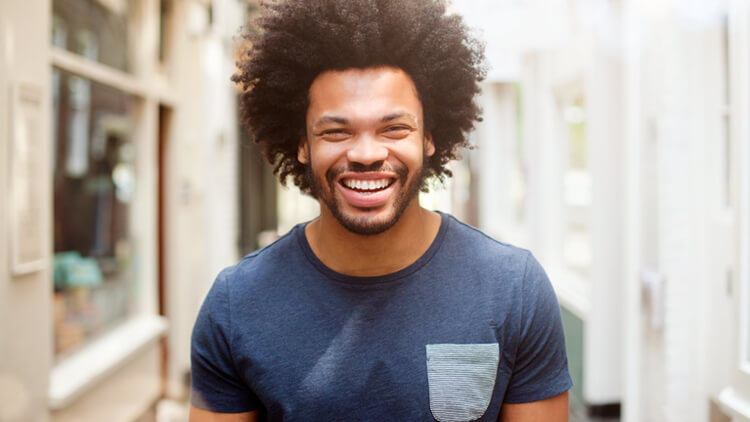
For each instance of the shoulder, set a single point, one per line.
(470, 246)
(271, 261)
(513, 270)
(253, 280)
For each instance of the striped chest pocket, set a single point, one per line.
(461, 379)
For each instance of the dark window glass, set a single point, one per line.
(94, 187)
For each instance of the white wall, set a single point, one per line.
(494, 160)
(544, 148)
(514, 27)
(202, 174)
(25, 301)
(219, 117)
(604, 125)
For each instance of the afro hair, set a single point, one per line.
(294, 41)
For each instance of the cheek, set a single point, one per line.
(411, 154)
(326, 156)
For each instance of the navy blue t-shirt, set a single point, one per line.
(472, 324)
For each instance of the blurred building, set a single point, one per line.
(120, 197)
(615, 146)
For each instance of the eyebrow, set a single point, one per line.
(394, 116)
(331, 119)
(345, 121)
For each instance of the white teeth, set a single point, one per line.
(366, 184)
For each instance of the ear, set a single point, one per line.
(303, 151)
(429, 145)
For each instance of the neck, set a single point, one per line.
(374, 255)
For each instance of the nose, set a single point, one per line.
(366, 150)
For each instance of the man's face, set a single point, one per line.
(365, 146)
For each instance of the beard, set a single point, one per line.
(365, 225)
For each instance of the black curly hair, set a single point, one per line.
(294, 41)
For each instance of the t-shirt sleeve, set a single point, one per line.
(541, 365)
(216, 384)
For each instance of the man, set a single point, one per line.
(378, 310)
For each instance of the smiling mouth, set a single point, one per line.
(367, 185)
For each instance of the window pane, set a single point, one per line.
(94, 184)
(93, 30)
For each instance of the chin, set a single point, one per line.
(365, 226)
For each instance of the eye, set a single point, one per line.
(336, 134)
(397, 131)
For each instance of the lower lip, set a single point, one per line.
(367, 200)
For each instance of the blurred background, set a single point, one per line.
(615, 145)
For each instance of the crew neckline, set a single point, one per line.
(371, 281)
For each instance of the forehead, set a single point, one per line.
(363, 93)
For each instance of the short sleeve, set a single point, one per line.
(216, 384)
(540, 370)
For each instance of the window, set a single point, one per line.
(257, 218)
(94, 186)
(96, 30)
(108, 96)
(104, 170)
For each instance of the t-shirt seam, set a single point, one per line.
(232, 335)
(319, 266)
(271, 245)
(522, 317)
(229, 319)
(323, 270)
(485, 235)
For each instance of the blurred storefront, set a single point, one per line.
(122, 198)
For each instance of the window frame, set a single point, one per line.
(573, 286)
(145, 82)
